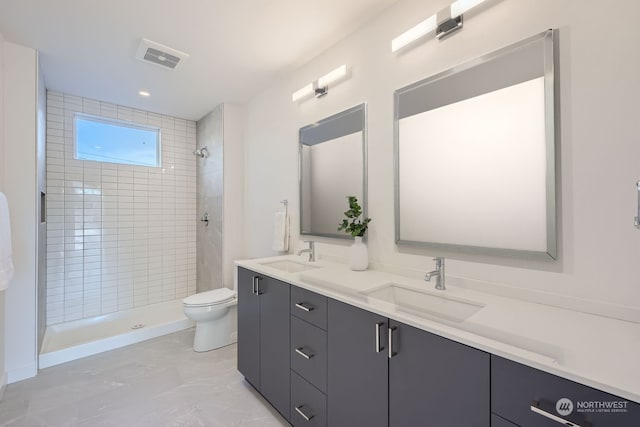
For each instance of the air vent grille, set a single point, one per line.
(161, 55)
(161, 58)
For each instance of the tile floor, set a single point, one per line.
(161, 382)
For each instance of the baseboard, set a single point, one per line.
(22, 373)
(3, 384)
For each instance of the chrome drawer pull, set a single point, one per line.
(305, 307)
(378, 348)
(391, 353)
(537, 410)
(303, 354)
(305, 416)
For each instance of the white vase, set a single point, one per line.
(359, 255)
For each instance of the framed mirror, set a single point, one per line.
(474, 155)
(333, 165)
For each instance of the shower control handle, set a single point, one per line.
(205, 219)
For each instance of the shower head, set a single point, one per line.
(202, 152)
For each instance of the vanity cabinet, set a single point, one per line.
(528, 397)
(382, 372)
(263, 336)
(321, 362)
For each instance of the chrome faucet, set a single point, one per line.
(438, 273)
(311, 250)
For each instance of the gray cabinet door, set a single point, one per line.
(248, 328)
(357, 375)
(274, 343)
(435, 382)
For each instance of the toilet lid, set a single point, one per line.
(216, 296)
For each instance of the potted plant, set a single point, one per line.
(359, 256)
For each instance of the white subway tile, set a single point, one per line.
(119, 236)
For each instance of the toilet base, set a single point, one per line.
(214, 334)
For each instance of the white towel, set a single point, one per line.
(281, 232)
(6, 263)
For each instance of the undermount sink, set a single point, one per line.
(424, 304)
(289, 266)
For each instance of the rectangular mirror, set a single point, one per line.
(475, 155)
(333, 165)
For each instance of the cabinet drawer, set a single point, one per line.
(497, 421)
(307, 401)
(309, 306)
(515, 388)
(309, 352)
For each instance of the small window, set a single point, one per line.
(113, 141)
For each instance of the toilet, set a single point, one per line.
(211, 310)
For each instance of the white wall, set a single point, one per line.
(2, 144)
(3, 374)
(234, 172)
(599, 263)
(119, 236)
(20, 74)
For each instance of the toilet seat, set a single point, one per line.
(208, 298)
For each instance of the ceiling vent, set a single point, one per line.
(161, 55)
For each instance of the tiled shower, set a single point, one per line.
(210, 201)
(118, 236)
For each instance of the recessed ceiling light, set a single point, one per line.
(144, 93)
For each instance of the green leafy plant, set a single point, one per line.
(356, 227)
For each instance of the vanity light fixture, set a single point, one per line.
(414, 33)
(445, 22)
(461, 6)
(303, 93)
(320, 87)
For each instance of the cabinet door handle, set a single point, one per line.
(535, 408)
(378, 347)
(391, 352)
(303, 354)
(256, 285)
(302, 414)
(305, 306)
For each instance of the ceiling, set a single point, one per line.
(236, 47)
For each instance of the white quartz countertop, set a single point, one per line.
(597, 351)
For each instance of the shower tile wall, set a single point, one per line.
(118, 236)
(210, 194)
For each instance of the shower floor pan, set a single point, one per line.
(80, 338)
